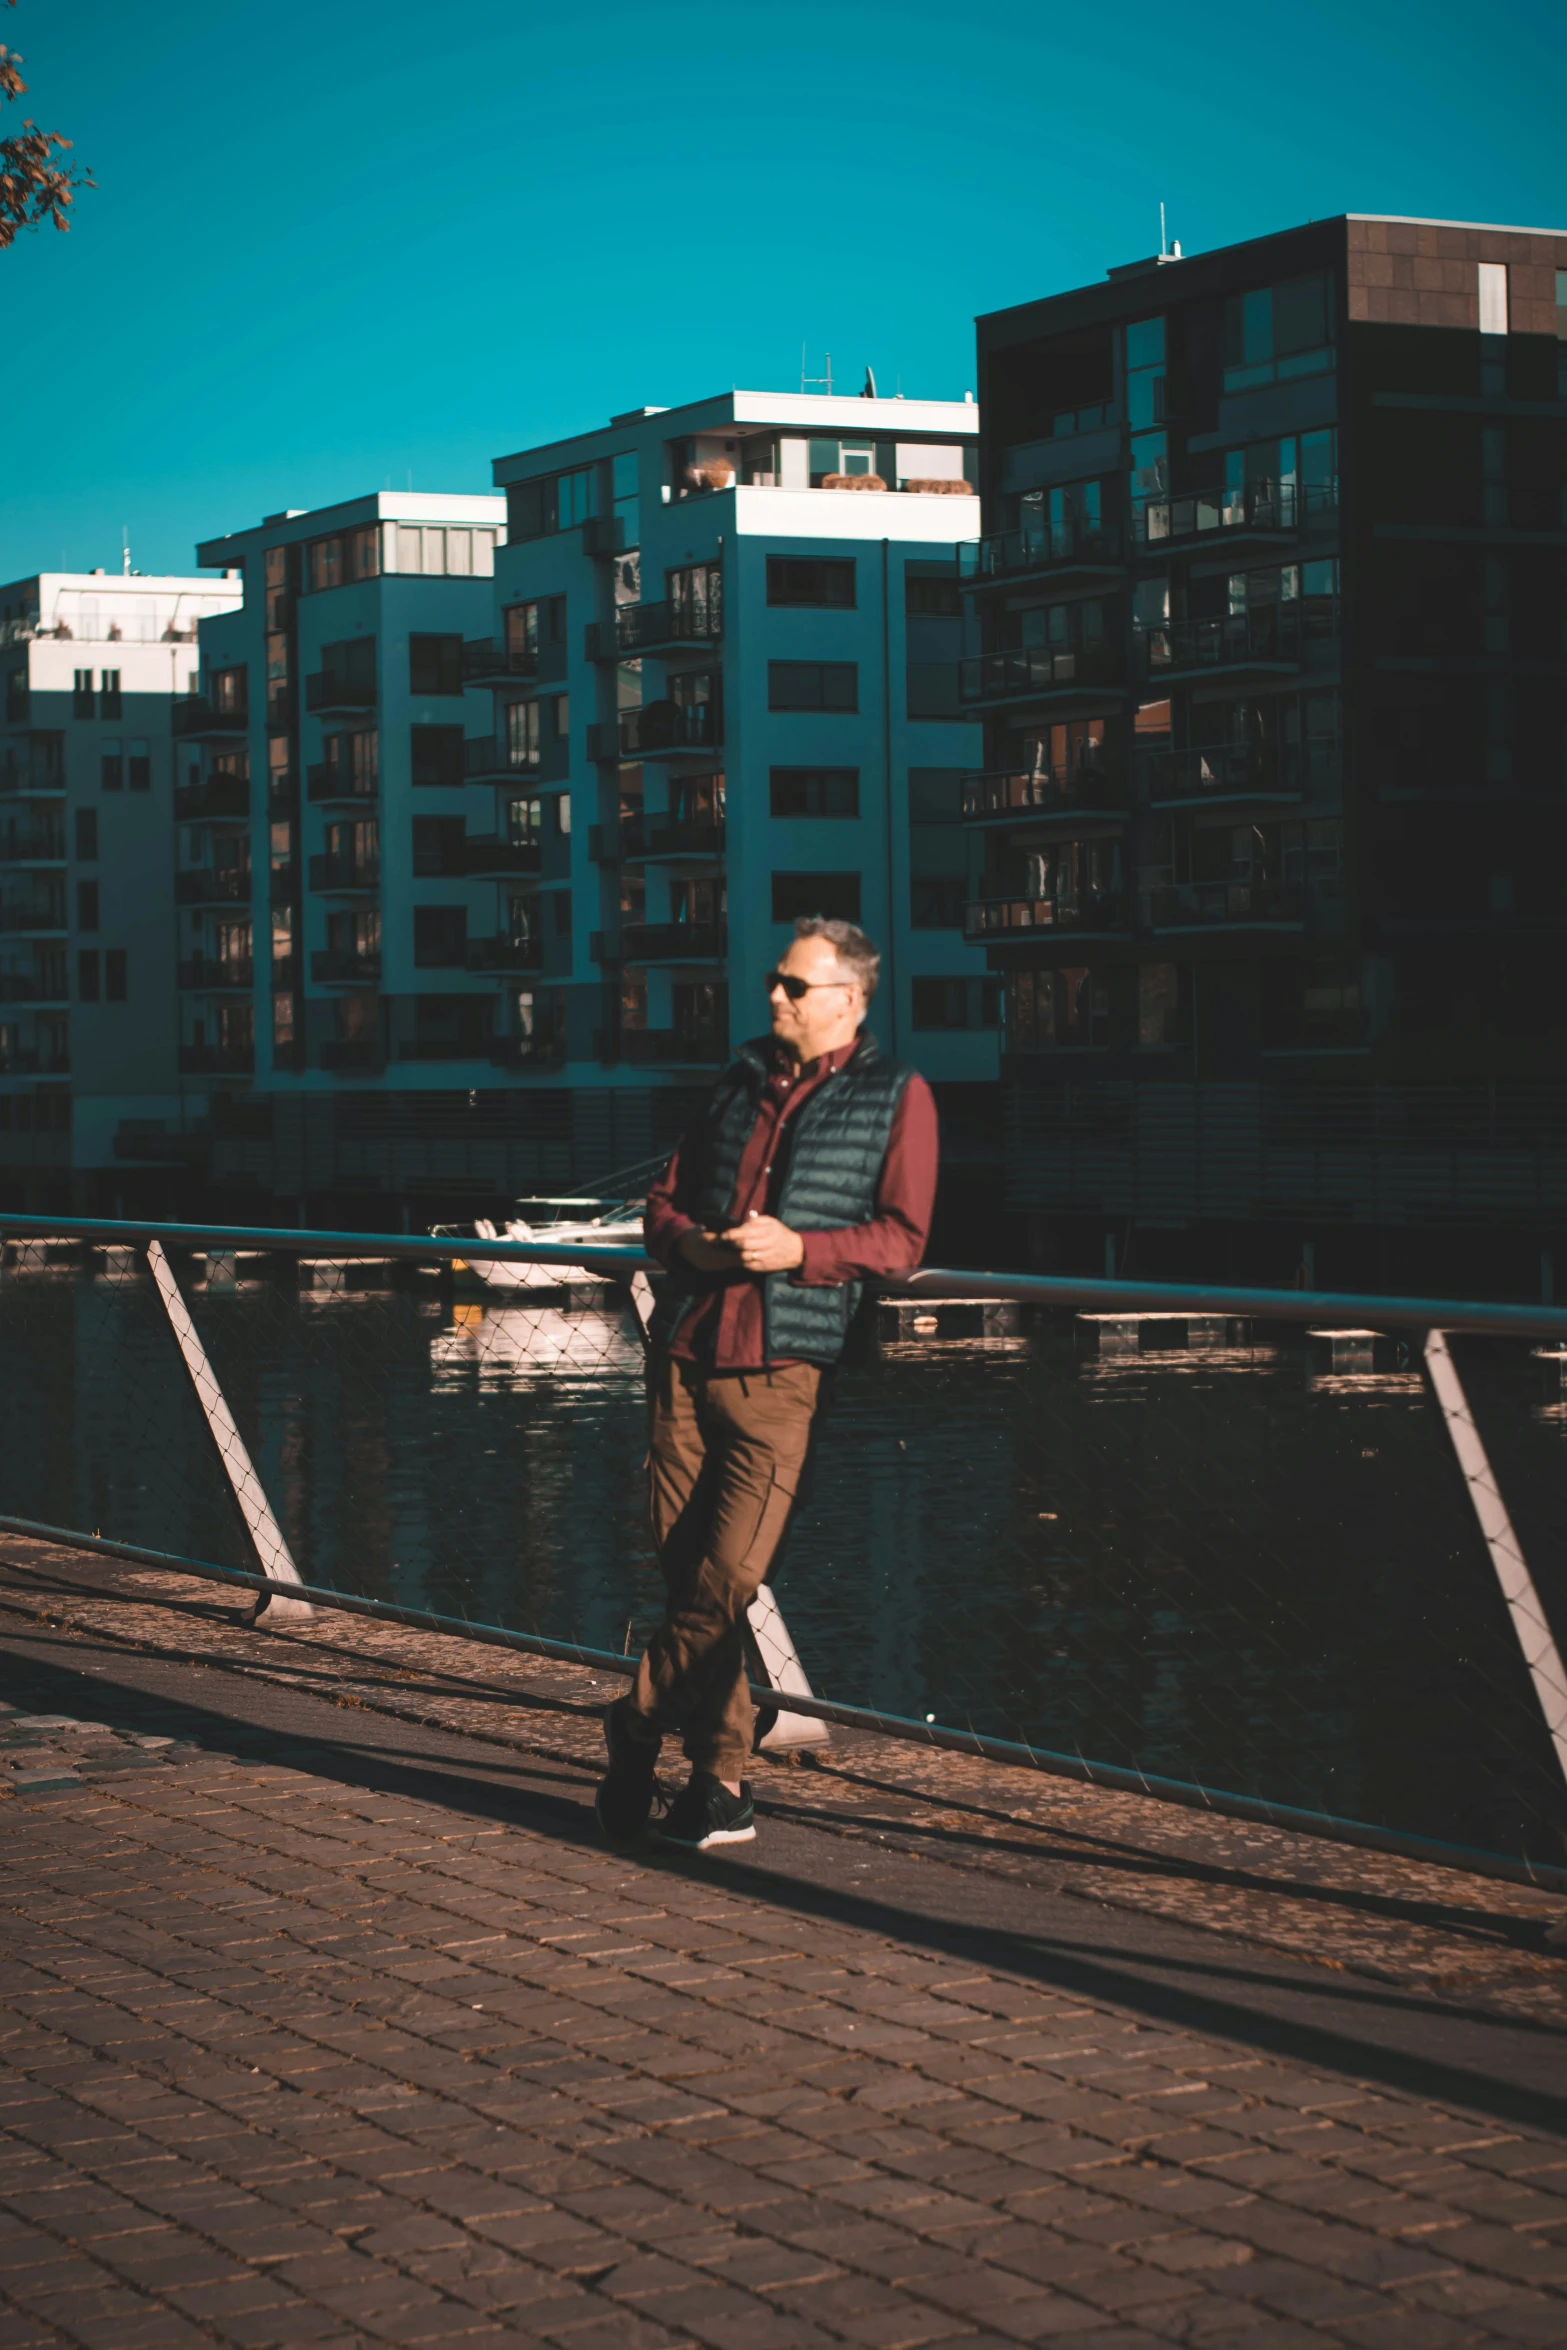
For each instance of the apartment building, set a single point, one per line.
(1270, 836)
(92, 668)
(481, 875)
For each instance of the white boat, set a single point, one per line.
(614, 1225)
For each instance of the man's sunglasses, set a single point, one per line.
(795, 989)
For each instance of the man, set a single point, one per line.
(811, 1171)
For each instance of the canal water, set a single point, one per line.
(1241, 1565)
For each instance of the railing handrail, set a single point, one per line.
(1340, 1308)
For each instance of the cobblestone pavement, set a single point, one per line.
(324, 2021)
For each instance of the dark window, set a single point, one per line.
(793, 580)
(82, 694)
(114, 975)
(138, 766)
(560, 901)
(109, 707)
(16, 696)
(438, 845)
(87, 975)
(813, 685)
(87, 905)
(796, 896)
(933, 689)
(440, 937)
(815, 791)
(558, 502)
(435, 664)
(938, 849)
(437, 754)
(111, 766)
(228, 690)
(957, 1003)
(931, 599)
(87, 835)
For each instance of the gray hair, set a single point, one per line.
(851, 946)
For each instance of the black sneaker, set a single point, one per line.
(704, 1813)
(625, 1794)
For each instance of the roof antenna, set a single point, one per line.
(823, 382)
(125, 552)
(1167, 251)
(869, 392)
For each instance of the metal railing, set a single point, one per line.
(1084, 1544)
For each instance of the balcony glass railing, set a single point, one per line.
(217, 1060)
(211, 974)
(639, 627)
(491, 853)
(345, 966)
(699, 1047)
(32, 845)
(1275, 635)
(659, 730)
(336, 875)
(1285, 770)
(333, 781)
(221, 798)
(1035, 669)
(1042, 791)
(991, 917)
(490, 661)
(505, 954)
(195, 717)
(1264, 506)
(210, 885)
(1172, 905)
(1042, 546)
(674, 942)
(328, 689)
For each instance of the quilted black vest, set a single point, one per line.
(835, 1146)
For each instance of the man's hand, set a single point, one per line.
(706, 1253)
(764, 1245)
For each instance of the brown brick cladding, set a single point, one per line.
(1416, 273)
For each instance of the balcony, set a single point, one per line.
(1226, 905)
(329, 784)
(1000, 798)
(209, 885)
(489, 662)
(1271, 640)
(640, 840)
(214, 1060)
(488, 855)
(659, 730)
(280, 792)
(195, 720)
(640, 1046)
(354, 1056)
(1268, 511)
(24, 1061)
(653, 628)
(24, 987)
(527, 1053)
(605, 534)
(33, 845)
(674, 942)
(336, 876)
(32, 771)
(328, 693)
(38, 917)
(992, 921)
(489, 759)
(1243, 771)
(1061, 548)
(345, 967)
(505, 954)
(221, 799)
(207, 975)
(282, 881)
(1032, 673)
(280, 707)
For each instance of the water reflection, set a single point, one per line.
(1235, 1562)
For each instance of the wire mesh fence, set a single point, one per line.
(1205, 1545)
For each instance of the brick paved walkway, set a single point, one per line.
(362, 2041)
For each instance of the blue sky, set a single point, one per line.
(335, 246)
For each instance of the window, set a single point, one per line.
(1492, 277)
(440, 936)
(956, 1003)
(814, 791)
(228, 690)
(530, 627)
(555, 502)
(138, 765)
(828, 583)
(439, 551)
(437, 754)
(1065, 1010)
(114, 975)
(87, 905)
(109, 706)
(87, 835)
(523, 734)
(696, 599)
(813, 685)
(87, 975)
(524, 821)
(111, 766)
(938, 849)
(282, 1026)
(82, 694)
(623, 475)
(1278, 332)
(16, 697)
(833, 462)
(435, 664)
(1158, 1006)
(439, 846)
(797, 896)
(931, 599)
(347, 555)
(353, 761)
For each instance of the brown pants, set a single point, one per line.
(725, 1460)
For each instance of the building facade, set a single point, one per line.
(480, 876)
(1267, 849)
(93, 666)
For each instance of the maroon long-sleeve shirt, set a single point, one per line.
(726, 1330)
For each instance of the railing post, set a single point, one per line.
(1534, 1635)
(272, 1552)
